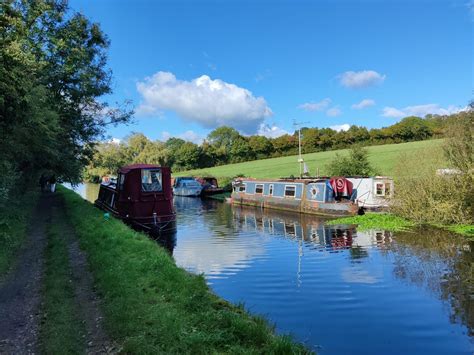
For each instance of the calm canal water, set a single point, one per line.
(338, 290)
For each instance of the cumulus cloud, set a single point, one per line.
(341, 127)
(363, 104)
(316, 106)
(114, 140)
(271, 131)
(421, 110)
(189, 136)
(208, 102)
(360, 79)
(333, 112)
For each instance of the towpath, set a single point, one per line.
(22, 288)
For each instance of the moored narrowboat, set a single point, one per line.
(331, 197)
(210, 186)
(186, 186)
(141, 196)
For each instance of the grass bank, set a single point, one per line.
(152, 306)
(383, 157)
(61, 331)
(391, 222)
(463, 229)
(384, 221)
(13, 226)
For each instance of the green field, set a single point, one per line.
(383, 157)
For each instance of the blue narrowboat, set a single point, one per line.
(331, 197)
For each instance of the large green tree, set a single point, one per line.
(53, 74)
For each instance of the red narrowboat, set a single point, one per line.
(141, 196)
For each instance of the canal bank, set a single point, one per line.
(150, 305)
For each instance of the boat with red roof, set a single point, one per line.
(141, 196)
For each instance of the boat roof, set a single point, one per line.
(128, 168)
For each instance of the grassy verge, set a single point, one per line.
(384, 221)
(13, 227)
(464, 229)
(61, 331)
(394, 223)
(152, 306)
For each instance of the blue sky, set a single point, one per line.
(190, 66)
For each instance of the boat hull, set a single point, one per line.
(158, 224)
(329, 209)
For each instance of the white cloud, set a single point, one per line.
(392, 112)
(114, 140)
(189, 136)
(208, 102)
(363, 104)
(316, 106)
(421, 110)
(270, 131)
(470, 7)
(360, 79)
(341, 127)
(333, 112)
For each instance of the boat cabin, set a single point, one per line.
(372, 193)
(319, 196)
(186, 186)
(141, 196)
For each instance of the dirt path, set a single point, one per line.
(97, 340)
(20, 291)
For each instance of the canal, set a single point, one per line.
(334, 288)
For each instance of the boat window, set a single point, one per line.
(379, 189)
(290, 191)
(151, 180)
(121, 181)
(259, 189)
(387, 189)
(242, 188)
(270, 190)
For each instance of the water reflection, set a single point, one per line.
(322, 282)
(443, 265)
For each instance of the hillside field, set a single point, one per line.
(384, 157)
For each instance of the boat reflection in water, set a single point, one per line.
(307, 228)
(167, 240)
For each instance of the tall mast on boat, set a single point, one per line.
(297, 125)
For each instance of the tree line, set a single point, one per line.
(53, 70)
(225, 145)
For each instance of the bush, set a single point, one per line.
(357, 163)
(423, 195)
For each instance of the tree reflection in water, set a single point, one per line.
(443, 263)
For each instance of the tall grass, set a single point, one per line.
(152, 306)
(424, 196)
(14, 218)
